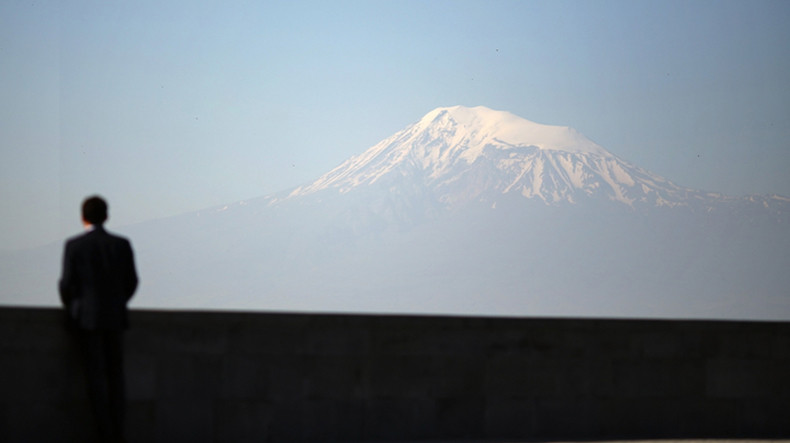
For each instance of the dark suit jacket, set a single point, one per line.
(98, 279)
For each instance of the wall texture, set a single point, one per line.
(299, 377)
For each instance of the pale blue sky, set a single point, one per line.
(166, 107)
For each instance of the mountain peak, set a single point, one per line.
(452, 143)
(459, 154)
(485, 125)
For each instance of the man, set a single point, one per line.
(97, 281)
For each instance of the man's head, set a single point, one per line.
(94, 210)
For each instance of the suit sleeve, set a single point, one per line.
(131, 278)
(67, 283)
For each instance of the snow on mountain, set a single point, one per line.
(462, 154)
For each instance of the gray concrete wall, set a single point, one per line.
(297, 377)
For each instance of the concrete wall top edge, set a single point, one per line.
(590, 321)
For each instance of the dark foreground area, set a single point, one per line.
(219, 376)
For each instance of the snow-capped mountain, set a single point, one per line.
(460, 154)
(467, 211)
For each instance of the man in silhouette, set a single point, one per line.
(97, 281)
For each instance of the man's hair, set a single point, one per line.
(94, 210)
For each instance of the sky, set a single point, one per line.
(166, 107)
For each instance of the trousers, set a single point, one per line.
(103, 364)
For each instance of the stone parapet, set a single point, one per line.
(222, 376)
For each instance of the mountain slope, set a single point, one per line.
(460, 154)
(476, 212)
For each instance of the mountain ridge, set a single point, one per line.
(554, 164)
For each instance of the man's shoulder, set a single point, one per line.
(76, 239)
(109, 236)
(95, 235)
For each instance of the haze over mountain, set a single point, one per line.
(470, 211)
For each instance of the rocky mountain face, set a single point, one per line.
(459, 155)
(478, 212)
